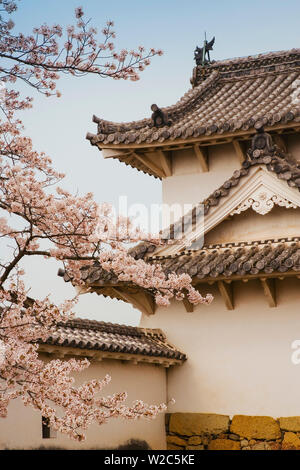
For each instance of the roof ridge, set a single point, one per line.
(257, 57)
(269, 62)
(228, 245)
(88, 324)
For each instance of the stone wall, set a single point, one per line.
(199, 431)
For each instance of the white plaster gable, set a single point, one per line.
(259, 191)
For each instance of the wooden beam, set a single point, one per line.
(269, 291)
(166, 162)
(226, 292)
(239, 150)
(202, 157)
(100, 355)
(187, 305)
(147, 302)
(149, 164)
(280, 141)
(113, 153)
(141, 300)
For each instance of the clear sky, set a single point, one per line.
(58, 126)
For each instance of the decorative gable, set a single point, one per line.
(259, 191)
(262, 201)
(268, 191)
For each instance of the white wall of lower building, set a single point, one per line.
(22, 429)
(239, 361)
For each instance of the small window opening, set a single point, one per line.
(47, 431)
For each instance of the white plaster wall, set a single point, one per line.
(239, 361)
(188, 184)
(22, 429)
(249, 225)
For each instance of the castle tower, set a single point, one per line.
(231, 147)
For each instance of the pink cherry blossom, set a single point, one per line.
(40, 218)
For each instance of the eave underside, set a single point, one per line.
(265, 260)
(225, 286)
(156, 159)
(98, 356)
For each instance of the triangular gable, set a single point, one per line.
(260, 190)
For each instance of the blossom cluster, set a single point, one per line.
(49, 386)
(39, 218)
(39, 58)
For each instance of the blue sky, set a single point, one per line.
(58, 126)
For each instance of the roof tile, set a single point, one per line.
(95, 335)
(230, 95)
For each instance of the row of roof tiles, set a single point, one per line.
(221, 103)
(241, 260)
(109, 337)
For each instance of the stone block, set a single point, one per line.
(190, 424)
(178, 441)
(255, 427)
(224, 444)
(290, 441)
(173, 447)
(244, 442)
(259, 446)
(291, 423)
(194, 447)
(273, 445)
(195, 440)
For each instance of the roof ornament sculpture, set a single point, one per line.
(200, 53)
(261, 143)
(159, 118)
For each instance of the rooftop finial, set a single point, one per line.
(201, 52)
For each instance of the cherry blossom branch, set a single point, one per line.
(38, 59)
(42, 219)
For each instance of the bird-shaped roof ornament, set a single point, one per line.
(201, 52)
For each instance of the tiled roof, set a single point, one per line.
(236, 259)
(209, 263)
(240, 259)
(228, 96)
(108, 337)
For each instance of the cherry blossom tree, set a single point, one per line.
(39, 218)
